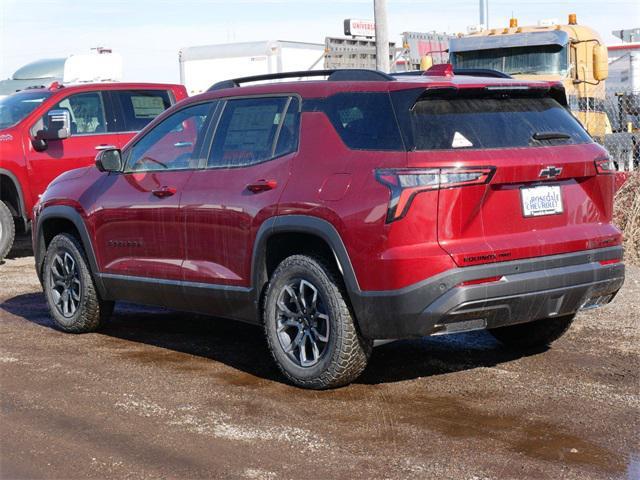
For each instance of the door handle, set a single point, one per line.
(262, 186)
(105, 147)
(164, 191)
(183, 144)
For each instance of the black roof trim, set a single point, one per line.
(480, 72)
(339, 75)
(468, 72)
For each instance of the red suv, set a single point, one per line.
(341, 211)
(47, 131)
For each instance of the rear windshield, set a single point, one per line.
(474, 123)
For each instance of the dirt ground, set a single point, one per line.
(161, 394)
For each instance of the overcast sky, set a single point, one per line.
(149, 33)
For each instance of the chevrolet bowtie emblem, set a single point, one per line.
(550, 172)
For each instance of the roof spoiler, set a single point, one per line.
(338, 75)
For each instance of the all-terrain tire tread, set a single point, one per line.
(9, 236)
(352, 358)
(93, 311)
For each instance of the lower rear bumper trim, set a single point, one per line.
(529, 290)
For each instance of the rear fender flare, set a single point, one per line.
(301, 224)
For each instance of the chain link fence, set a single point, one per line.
(622, 137)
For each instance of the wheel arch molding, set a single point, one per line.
(66, 214)
(21, 205)
(300, 224)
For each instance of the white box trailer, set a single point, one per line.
(624, 68)
(202, 66)
(623, 103)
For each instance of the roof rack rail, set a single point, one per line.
(337, 75)
(469, 72)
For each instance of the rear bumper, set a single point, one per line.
(527, 290)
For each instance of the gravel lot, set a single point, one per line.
(161, 394)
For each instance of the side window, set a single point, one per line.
(247, 131)
(174, 143)
(288, 136)
(139, 107)
(87, 113)
(364, 121)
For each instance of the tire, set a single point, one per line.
(66, 270)
(7, 230)
(536, 334)
(341, 354)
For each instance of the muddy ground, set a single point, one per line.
(160, 394)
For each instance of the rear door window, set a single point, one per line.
(288, 137)
(475, 123)
(248, 130)
(139, 107)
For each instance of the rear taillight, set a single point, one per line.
(605, 166)
(406, 183)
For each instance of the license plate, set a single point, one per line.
(542, 200)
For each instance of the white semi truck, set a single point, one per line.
(202, 66)
(101, 65)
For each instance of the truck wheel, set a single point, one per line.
(309, 327)
(538, 333)
(74, 302)
(7, 230)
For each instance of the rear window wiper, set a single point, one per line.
(551, 136)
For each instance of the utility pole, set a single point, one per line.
(382, 35)
(484, 13)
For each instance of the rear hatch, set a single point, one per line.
(542, 186)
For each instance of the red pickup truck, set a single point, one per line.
(47, 131)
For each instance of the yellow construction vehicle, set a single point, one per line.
(571, 53)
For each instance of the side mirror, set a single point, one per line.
(109, 160)
(39, 144)
(57, 125)
(600, 63)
